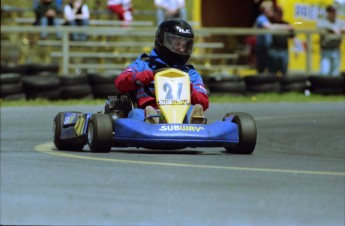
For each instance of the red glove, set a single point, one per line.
(144, 77)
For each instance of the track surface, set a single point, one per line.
(296, 175)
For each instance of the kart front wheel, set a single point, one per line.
(247, 134)
(59, 143)
(100, 133)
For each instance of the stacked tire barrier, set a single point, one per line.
(327, 85)
(75, 87)
(262, 83)
(11, 86)
(268, 83)
(42, 81)
(45, 86)
(102, 85)
(296, 83)
(226, 84)
(23, 81)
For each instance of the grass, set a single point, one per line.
(214, 98)
(274, 97)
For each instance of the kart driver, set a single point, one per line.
(172, 48)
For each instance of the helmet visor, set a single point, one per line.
(178, 44)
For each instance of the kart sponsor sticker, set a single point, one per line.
(70, 119)
(181, 128)
(173, 102)
(79, 125)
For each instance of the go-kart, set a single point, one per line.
(236, 132)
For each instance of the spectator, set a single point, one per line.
(278, 52)
(59, 5)
(123, 8)
(46, 14)
(330, 42)
(172, 48)
(170, 9)
(264, 42)
(76, 13)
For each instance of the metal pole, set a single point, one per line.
(65, 52)
(309, 53)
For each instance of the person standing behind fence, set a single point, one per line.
(77, 13)
(170, 9)
(278, 52)
(330, 41)
(122, 8)
(46, 15)
(59, 5)
(263, 42)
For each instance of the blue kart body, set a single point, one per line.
(236, 132)
(129, 132)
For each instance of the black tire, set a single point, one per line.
(9, 89)
(294, 87)
(101, 79)
(223, 78)
(233, 114)
(100, 133)
(76, 91)
(290, 79)
(10, 78)
(228, 87)
(20, 69)
(247, 133)
(264, 88)
(68, 80)
(261, 79)
(62, 144)
(41, 83)
(38, 68)
(102, 91)
(326, 85)
(54, 94)
(327, 91)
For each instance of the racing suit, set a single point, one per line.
(126, 82)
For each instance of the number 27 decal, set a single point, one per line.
(168, 89)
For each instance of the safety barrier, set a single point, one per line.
(46, 83)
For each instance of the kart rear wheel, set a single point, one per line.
(62, 144)
(100, 133)
(247, 133)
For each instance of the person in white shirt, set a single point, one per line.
(122, 8)
(76, 13)
(330, 41)
(170, 9)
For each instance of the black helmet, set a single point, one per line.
(174, 41)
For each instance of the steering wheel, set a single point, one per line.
(148, 91)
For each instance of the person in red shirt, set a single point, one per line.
(122, 8)
(172, 49)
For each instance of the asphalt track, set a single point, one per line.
(296, 175)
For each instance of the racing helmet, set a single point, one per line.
(174, 41)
